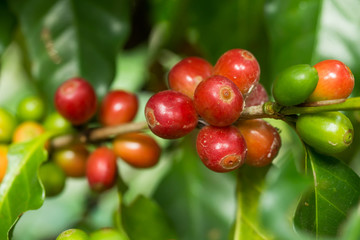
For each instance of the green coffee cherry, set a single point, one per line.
(53, 178)
(56, 122)
(31, 108)
(73, 234)
(295, 84)
(327, 132)
(7, 125)
(106, 234)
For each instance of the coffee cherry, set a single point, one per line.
(218, 101)
(257, 96)
(137, 149)
(72, 159)
(262, 140)
(7, 125)
(53, 178)
(31, 108)
(73, 234)
(221, 149)
(75, 100)
(101, 169)
(3, 161)
(327, 132)
(106, 234)
(118, 107)
(336, 81)
(170, 114)
(188, 73)
(27, 131)
(295, 84)
(241, 67)
(56, 122)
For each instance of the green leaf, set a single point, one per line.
(200, 202)
(351, 229)
(144, 220)
(336, 189)
(20, 189)
(7, 26)
(68, 38)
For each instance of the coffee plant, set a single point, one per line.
(159, 120)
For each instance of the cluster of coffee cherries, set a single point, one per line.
(215, 96)
(327, 82)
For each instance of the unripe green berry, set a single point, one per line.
(31, 108)
(73, 234)
(56, 122)
(295, 84)
(7, 125)
(106, 234)
(327, 132)
(53, 178)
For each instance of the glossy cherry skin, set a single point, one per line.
(118, 107)
(31, 108)
(170, 114)
(257, 96)
(188, 73)
(3, 161)
(221, 149)
(262, 140)
(241, 67)
(76, 101)
(7, 125)
(218, 101)
(336, 81)
(137, 149)
(27, 131)
(53, 178)
(73, 234)
(101, 169)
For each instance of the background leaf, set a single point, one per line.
(62, 44)
(7, 26)
(336, 189)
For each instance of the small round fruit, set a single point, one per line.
(27, 131)
(327, 132)
(7, 125)
(118, 107)
(257, 96)
(188, 73)
(336, 81)
(3, 161)
(56, 122)
(101, 169)
(218, 101)
(72, 159)
(262, 140)
(106, 234)
(170, 114)
(73, 234)
(241, 67)
(295, 84)
(53, 178)
(76, 101)
(221, 149)
(31, 108)
(137, 149)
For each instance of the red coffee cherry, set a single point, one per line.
(336, 81)
(170, 114)
(257, 96)
(75, 100)
(218, 101)
(241, 67)
(137, 149)
(221, 149)
(101, 169)
(188, 73)
(118, 107)
(262, 140)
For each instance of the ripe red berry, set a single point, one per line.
(188, 73)
(137, 149)
(76, 101)
(101, 169)
(170, 114)
(262, 140)
(218, 101)
(241, 67)
(257, 96)
(118, 107)
(336, 81)
(221, 149)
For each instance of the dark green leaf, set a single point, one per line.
(20, 189)
(68, 38)
(335, 191)
(144, 220)
(7, 26)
